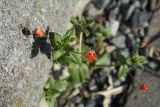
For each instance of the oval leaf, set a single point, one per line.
(55, 39)
(123, 70)
(59, 85)
(83, 72)
(74, 73)
(74, 58)
(57, 54)
(102, 60)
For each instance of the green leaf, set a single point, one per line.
(82, 20)
(102, 59)
(63, 59)
(121, 58)
(68, 48)
(86, 32)
(70, 34)
(123, 70)
(138, 60)
(84, 73)
(52, 102)
(109, 34)
(89, 21)
(141, 60)
(101, 31)
(98, 34)
(59, 85)
(65, 95)
(74, 73)
(74, 21)
(129, 61)
(74, 58)
(57, 54)
(49, 82)
(55, 39)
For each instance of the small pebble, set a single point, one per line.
(119, 41)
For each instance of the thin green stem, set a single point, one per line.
(80, 50)
(104, 65)
(77, 52)
(80, 42)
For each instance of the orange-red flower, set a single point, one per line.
(38, 32)
(144, 87)
(91, 55)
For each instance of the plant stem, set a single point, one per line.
(105, 65)
(80, 50)
(77, 52)
(80, 42)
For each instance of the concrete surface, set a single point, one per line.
(22, 78)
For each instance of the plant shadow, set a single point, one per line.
(40, 44)
(121, 99)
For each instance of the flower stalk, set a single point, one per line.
(80, 42)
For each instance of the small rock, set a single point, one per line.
(151, 51)
(153, 65)
(125, 1)
(144, 3)
(90, 41)
(138, 40)
(119, 41)
(124, 10)
(105, 3)
(131, 43)
(64, 74)
(92, 85)
(131, 9)
(56, 67)
(114, 26)
(116, 83)
(132, 39)
(91, 103)
(91, 11)
(110, 48)
(98, 3)
(111, 5)
(140, 18)
(101, 4)
(125, 52)
(76, 99)
(124, 29)
(113, 13)
(122, 79)
(100, 82)
(142, 32)
(70, 104)
(99, 99)
(80, 105)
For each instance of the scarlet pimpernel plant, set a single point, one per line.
(70, 51)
